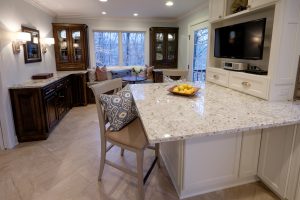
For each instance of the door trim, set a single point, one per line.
(196, 25)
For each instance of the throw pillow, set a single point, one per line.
(101, 73)
(120, 108)
(150, 72)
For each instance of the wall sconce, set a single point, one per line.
(21, 38)
(46, 43)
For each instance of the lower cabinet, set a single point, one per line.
(38, 110)
(275, 158)
(217, 75)
(211, 163)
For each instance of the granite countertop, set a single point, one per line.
(214, 110)
(43, 82)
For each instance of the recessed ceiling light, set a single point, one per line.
(169, 3)
(103, 13)
(135, 14)
(103, 0)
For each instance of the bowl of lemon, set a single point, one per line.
(184, 89)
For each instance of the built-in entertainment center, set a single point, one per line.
(254, 50)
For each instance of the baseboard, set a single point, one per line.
(219, 186)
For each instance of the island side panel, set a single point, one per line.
(172, 155)
(275, 158)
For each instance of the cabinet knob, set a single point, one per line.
(246, 84)
(216, 76)
(249, 6)
(220, 16)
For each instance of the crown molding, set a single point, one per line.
(40, 7)
(100, 17)
(203, 5)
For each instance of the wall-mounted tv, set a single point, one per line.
(241, 41)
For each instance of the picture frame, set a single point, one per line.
(32, 49)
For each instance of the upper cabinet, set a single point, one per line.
(216, 9)
(71, 46)
(163, 47)
(259, 3)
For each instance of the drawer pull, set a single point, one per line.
(246, 84)
(216, 76)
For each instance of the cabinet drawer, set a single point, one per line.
(217, 75)
(251, 84)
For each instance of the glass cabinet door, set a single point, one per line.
(171, 47)
(77, 52)
(63, 47)
(159, 46)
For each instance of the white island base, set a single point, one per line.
(206, 164)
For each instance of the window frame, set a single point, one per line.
(120, 45)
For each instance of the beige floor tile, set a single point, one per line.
(65, 167)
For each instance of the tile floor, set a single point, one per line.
(65, 167)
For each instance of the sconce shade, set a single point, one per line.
(23, 37)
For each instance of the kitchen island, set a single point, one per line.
(222, 138)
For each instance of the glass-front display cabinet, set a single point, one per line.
(71, 46)
(163, 47)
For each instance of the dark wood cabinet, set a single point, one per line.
(163, 47)
(79, 89)
(71, 46)
(38, 110)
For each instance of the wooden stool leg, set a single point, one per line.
(157, 154)
(122, 152)
(102, 159)
(140, 176)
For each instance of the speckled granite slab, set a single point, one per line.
(214, 110)
(43, 82)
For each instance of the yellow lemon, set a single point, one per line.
(189, 87)
(181, 87)
(176, 89)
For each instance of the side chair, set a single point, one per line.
(131, 137)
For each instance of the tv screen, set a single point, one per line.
(241, 41)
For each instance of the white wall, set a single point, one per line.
(13, 70)
(195, 17)
(117, 25)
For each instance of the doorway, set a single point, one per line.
(199, 49)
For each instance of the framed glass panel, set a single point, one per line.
(63, 45)
(77, 46)
(133, 44)
(106, 48)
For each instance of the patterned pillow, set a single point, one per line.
(120, 108)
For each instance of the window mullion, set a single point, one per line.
(120, 50)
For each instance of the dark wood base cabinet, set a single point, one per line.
(38, 110)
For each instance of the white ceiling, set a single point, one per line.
(153, 9)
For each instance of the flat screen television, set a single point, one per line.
(241, 41)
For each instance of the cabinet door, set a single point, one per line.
(216, 9)
(275, 157)
(77, 45)
(171, 48)
(62, 45)
(250, 153)
(258, 3)
(51, 111)
(159, 48)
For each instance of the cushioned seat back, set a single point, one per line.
(120, 73)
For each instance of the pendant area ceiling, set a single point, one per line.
(152, 9)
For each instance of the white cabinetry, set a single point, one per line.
(281, 43)
(259, 3)
(216, 9)
(275, 158)
(250, 153)
(218, 76)
(206, 164)
(251, 84)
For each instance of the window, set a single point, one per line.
(119, 48)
